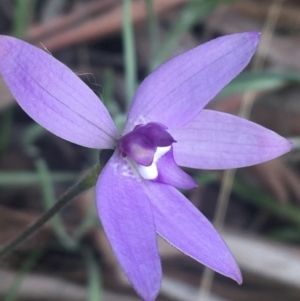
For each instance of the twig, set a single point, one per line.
(105, 24)
(247, 103)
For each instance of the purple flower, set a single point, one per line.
(166, 127)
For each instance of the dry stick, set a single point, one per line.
(84, 184)
(80, 14)
(247, 103)
(257, 10)
(105, 25)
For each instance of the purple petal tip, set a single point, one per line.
(240, 281)
(289, 146)
(255, 36)
(234, 273)
(238, 277)
(285, 146)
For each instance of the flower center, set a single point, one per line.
(144, 145)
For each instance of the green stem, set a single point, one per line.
(129, 52)
(49, 199)
(84, 184)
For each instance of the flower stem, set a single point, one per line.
(82, 185)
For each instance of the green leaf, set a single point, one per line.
(94, 277)
(288, 234)
(23, 14)
(259, 81)
(13, 292)
(264, 200)
(193, 13)
(129, 52)
(5, 129)
(153, 32)
(27, 178)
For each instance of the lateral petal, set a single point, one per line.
(170, 173)
(188, 230)
(176, 91)
(126, 215)
(215, 140)
(54, 96)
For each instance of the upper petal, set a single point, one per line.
(187, 229)
(54, 96)
(126, 215)
(175, 92)
(215, 140)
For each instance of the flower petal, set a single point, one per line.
(175, 92)
(170, 173)
(54, 96)
(215, 140)
(188, 230)
(126, 214)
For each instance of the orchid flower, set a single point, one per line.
(167, 127)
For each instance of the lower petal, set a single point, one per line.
(126, 215)
(184, 227)
(215, 140)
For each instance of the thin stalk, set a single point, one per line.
(84, 184)
(49, 200)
